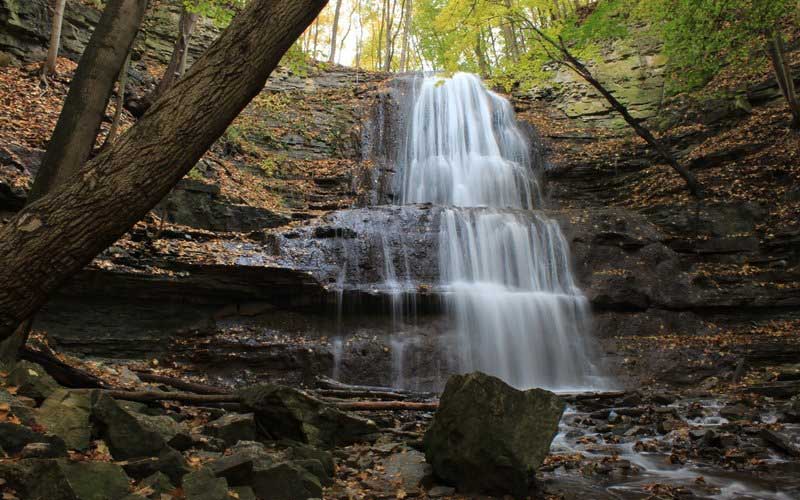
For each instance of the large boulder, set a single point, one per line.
(202, 484)
(287, 413)
(489, 437)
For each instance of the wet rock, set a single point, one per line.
(488, 436)
(232, 428)
(66, 414)
(202, 484)
(124, 433)
(737, 411)
(780, 441)
(32, 381)
(288, 413)
(13, 438)
(790, 413)
(47, 479)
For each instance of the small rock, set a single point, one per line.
(169, 461)
(441, 491)
(41, 450)
(159, 483)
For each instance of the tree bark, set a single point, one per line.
(56, 236)
(180, 54)
(334, 31)
(120, 103)
(79, 122)
(783, 74)
(407, 17)
(480, 54)
(55, 38)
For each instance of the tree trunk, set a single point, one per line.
(55, 38)
(480, 54)
(316, 40)
(120, 104)
(180, 54)
(334, 30)
(390, 6)
(571, 62)
(783, 73)
(56, 236)
(85, 105)
(407, 17)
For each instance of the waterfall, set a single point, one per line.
(504, 268)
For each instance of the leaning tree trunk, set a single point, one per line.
(91, 87)
(55, 39)
(335, 31)
(783, 73)
(180, 53)
(56, 236)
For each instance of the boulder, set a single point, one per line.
(244, 493)
(489, 437)
(38, 479)
(66, 414)
(237, 467)
(32, 381)
(175, 434)
(123, 431)
(202, 484)
(289, 413)
(232, 428)
(156, 485)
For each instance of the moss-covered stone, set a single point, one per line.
(123, 432)
(203, 485)
(66, 414)
(285, 481)
(489, 437)
(47, 479)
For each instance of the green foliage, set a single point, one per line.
(219, 11)
(703, 36)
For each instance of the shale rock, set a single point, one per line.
(66, 414)
(288, 413)
(489, 437)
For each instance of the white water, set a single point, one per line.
(504, 268)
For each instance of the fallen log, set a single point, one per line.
(387, 405)
(181, 397)
(343, 394)
(331, 384)
(64, 374)
(180, 384)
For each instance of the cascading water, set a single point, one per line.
(504, 269)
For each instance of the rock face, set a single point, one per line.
(489, 437)
(288, 413)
